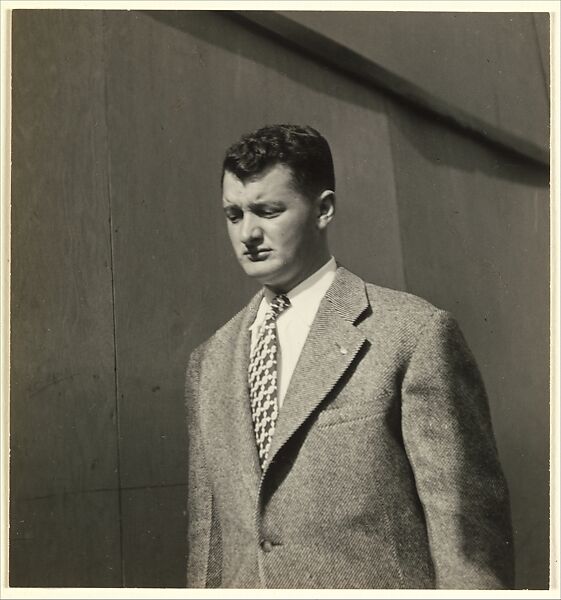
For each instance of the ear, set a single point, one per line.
(326, 208)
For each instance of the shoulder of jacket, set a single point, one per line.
(403, 309)
(401, 319)
(398, 300)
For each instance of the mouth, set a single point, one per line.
(257, 254)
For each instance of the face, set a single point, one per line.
(277, 233)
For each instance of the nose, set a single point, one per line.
(251, 233)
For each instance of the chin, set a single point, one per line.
(258, 270)
(264, 274)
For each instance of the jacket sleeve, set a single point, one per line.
(203, 543)
(449, 440)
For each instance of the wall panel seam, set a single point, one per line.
(113, 294)
(395, 177)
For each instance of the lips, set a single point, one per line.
(257, 254)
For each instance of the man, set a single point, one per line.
(339, 432)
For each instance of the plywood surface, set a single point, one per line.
(475, 234)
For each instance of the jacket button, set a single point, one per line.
(266, 546)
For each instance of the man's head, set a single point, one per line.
(278, 192)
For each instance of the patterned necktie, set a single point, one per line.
(262, 378)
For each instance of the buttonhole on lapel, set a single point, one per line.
(342, 350)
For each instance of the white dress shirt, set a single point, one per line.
(294, 323)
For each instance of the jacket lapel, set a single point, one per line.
(225, 402)
(331, 347)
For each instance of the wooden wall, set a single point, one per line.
(474, 67)
(65, 506)
(121, 266)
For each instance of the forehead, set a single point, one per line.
(277, 182)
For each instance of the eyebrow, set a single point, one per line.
(273, 203)
(253, 205)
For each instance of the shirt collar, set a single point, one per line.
(305, 298)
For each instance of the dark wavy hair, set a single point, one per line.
(301, 148)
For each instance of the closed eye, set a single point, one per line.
(233, 214)
(268, 212)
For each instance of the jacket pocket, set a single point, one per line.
(354, 411)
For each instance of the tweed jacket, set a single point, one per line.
(383, 470)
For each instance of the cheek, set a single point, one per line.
(298, 235)
(287, 238)
(297, 227)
